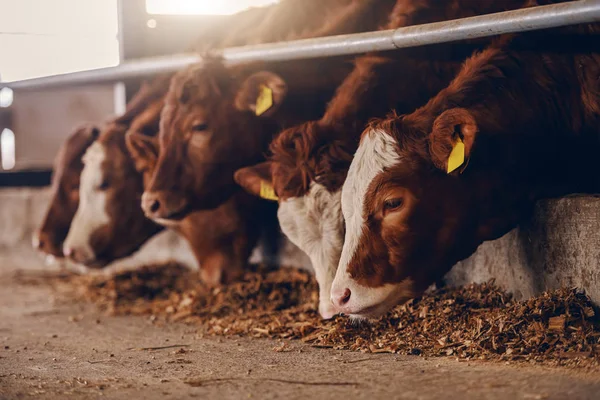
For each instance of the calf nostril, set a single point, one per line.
(154, 206)
(340, 299)
(40, 244)
(36, 242)
(345, 297)
(68, 252)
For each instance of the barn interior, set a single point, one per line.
(518, 318)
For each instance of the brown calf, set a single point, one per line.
(221, 239)
(108, 223)
(309, 162)
(65, 191)
(519, 122)
(210, 126)
(67, 171)
(111, 186)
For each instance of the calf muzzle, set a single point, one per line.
(163, 205)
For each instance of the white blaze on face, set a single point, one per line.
(91, 213)
(315, 224)
(376, 152)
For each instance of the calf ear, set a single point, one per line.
(256, 180)
(93, 132)
(262, 93)
(87, 131)
(451, 140)
(143, 150)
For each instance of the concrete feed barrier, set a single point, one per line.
(559, 246)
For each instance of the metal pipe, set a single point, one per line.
(542, 17)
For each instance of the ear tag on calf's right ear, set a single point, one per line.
(264, 101)
(457, 155)
(267, 192)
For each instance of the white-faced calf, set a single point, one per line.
(519, 122)
(109, 223)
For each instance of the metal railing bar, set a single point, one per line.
(542, 17)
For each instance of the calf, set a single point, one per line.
(108, 179)
(519, 122)
(65, 191)
(219, 119)
(110, 188)
(221, 239)
(309, 162)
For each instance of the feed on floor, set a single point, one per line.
(475, 322)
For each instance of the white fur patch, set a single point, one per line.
(376, 152)
(91, 213)
(314, 223)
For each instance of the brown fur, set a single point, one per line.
(298, 19)
(68, 167)
(528, 110)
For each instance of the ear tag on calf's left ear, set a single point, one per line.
(264, 101)
(457, 155)
(267, 192)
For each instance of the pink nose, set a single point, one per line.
(151, 204)
(341, 298)
(67, 251)
(74, 254)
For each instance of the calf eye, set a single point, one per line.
(104, 185)
(392, 204)
(199, 127)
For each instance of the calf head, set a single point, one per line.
(413, 208)
(65, 191)
(222, 238)
(214, 122)
(305, 174)
(108, 224)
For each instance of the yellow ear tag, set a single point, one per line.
(264, 101)
(457, 155)
(267, 192)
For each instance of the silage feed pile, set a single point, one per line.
(475, 322)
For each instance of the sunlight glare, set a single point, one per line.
(202, 7)
(7, 149)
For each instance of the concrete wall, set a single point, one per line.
(42, 120)
(560, 246)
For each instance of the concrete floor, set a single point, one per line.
(53, 349)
